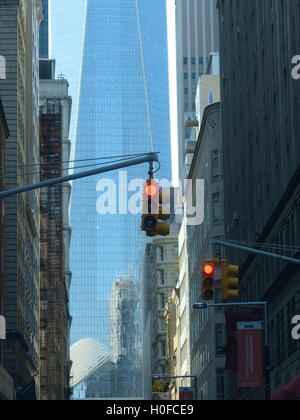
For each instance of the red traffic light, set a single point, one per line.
(209, 269)
(151, 190)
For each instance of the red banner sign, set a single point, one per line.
(232, 319)
(250, 355)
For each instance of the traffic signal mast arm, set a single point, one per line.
(147, 158)
(254, 251)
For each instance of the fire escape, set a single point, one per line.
(53, 293)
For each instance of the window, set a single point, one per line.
(210, 98)
(186, 106)
(193, 60)
(193, 76)
(186, 91)
(219, 338)
(220, 385)
(216, 208)
(217, 249)
(163, 349)
(162, 324)
(162, 277)
(215, 166)
(161, 254)
(185, 61)
(183, 320)
(280, 336)
(183, 354)
(44, 305)
(162, 300)
(186, 76)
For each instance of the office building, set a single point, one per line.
(197, 35)
(6, 382)
(260, 124)
(114, 55)
(207, 327)
(55, 235)
(19, 40)
(147, 324)
(161, 276)
(184, 311)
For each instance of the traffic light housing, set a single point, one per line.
(208, 281)
(156, 210)
(230, 282)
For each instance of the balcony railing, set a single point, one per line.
(190, 119)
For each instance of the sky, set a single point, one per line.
(173, 88)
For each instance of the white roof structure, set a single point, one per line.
(87, 356)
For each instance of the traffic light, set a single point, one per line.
(230, 282)
(208, 281)
(156, 208)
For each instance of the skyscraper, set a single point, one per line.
(261, 151)
(114, 54)
(197, 35)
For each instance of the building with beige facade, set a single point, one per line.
(161, 276)
(173, 343)
(55, 235)
(184, 306)
(207, 327)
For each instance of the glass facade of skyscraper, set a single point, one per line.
(114, 55)
(44, 32)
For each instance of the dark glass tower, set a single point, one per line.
(44, 32)
(47, 65)
(114, 55)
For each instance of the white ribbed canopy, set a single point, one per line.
(87, 356)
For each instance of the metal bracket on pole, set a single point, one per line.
(151, 170)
